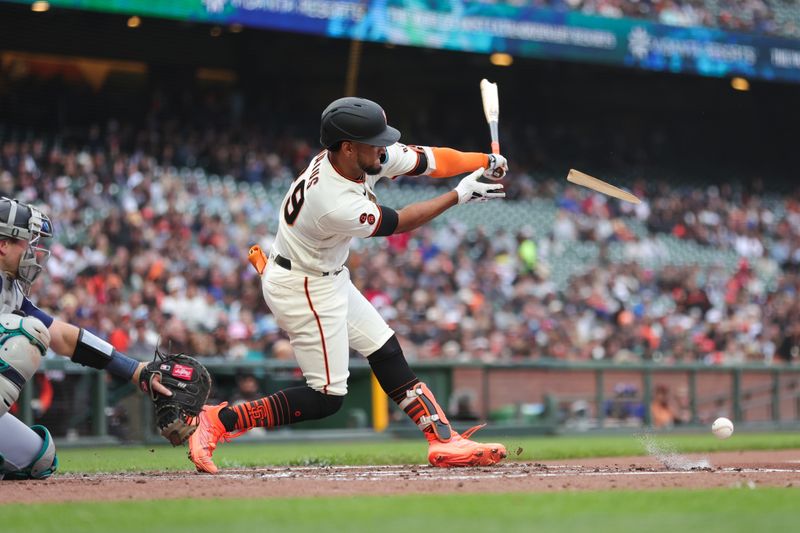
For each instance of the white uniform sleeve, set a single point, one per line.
(359, 218)
(402, 160)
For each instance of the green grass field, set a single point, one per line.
(138, 458)
(723, 511)
(717, 510)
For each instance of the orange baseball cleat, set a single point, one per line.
(461, 451)
(204, 440)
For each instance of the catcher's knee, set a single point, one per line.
(43, 465)
(23, 342)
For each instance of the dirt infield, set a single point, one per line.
(751, 469)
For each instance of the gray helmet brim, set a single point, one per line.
(387, 137)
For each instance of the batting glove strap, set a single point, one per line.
(497, 168)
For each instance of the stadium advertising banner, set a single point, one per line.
(480, 27)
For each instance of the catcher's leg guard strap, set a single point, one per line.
(43, 465)
(421, 405)
(286, 406)
(391, 370)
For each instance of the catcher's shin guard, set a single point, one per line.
(446, 447)
(41, 467)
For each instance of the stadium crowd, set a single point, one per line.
(145, 251)
(771, 17)
(148, 246)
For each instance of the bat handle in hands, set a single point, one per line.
(497, 167)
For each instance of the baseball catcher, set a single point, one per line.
(190, 384)
(27, 333)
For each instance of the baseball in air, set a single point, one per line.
(722, 428)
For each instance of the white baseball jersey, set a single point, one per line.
(326, 315)
(324, 210)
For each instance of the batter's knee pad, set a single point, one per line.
(43, 465)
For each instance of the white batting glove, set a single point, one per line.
(470, 189)
(498, 167)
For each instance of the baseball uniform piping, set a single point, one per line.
(322, 337)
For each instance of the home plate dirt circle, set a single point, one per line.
(730, 469)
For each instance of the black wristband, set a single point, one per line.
(92, 351)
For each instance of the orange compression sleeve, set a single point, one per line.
(450, 162)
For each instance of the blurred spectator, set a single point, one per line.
(757, 16)
(464, 409)
(624, 407)
(247, 389)
(683, 410)
(661, 412)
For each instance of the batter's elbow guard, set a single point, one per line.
(43, 465)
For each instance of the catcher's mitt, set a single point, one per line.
(190, 384)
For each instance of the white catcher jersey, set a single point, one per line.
(324, 210)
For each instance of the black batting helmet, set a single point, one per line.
(356, 119)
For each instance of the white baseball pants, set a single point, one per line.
(324, 317)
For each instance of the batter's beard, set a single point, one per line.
(372, 170)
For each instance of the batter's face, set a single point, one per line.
(368, 158)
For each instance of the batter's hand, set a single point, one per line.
(470, 189)
(498, 167)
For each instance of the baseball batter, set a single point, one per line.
(307, 285)
(26, 333)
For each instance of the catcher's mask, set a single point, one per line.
(24, 222)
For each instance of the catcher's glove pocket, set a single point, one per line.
(190, 384)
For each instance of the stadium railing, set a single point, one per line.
(531, 397)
